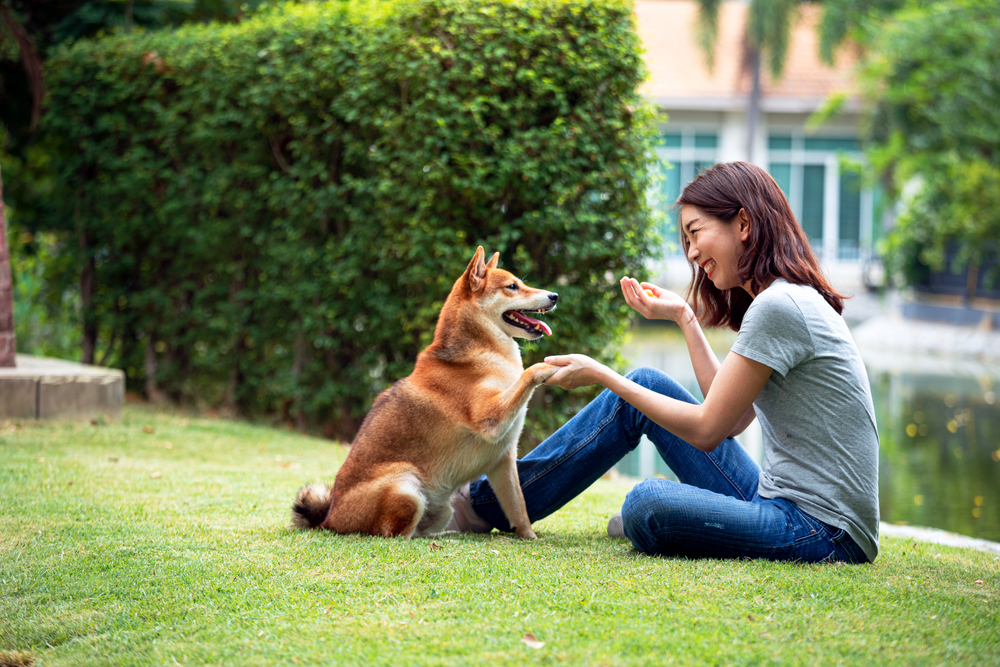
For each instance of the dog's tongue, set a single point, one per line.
(533, 322)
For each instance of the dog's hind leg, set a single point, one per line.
(391, 506)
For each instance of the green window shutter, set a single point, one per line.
(850, 214)
(813, 191)
(779, 142)
(781, 172)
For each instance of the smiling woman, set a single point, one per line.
(774, 247)
(794, 366)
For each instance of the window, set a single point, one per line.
(683, 155)
(835, 210)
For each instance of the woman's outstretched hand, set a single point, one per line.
(654, 303)
(575, 370)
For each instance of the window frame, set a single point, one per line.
(798, 157)
(686, 159)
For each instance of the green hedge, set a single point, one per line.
(268, 216)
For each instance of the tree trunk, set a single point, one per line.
(231, 404)
(86, 296)
(753, 105)
(8, 342)
(298, 359)
(153, 393)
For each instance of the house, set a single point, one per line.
(705, 121)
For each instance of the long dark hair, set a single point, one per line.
(777, 247)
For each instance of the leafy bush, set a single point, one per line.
(936, 132)
(270, 214)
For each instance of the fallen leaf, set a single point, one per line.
(495, 551)
(436, 547)
(260, 634)
(147, 429)
(412, 615)
(155, 474)
(168, 444)
(532, 641)
(978, 582)
(41, 460)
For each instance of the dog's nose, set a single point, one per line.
(553, 297)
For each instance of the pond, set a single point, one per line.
(939, 431)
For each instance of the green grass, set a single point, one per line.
(119, 548)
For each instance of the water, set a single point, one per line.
(939, 432)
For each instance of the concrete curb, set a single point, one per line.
(44, 388)
(936, 536)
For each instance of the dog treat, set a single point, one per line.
(650, 293)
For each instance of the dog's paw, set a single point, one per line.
(541, 372)
(525, 533)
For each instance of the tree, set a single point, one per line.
(8, 343)
(14, 38)
(857, 20)
(768, 33)
(933, 131)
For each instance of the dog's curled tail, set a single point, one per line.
(312, 504)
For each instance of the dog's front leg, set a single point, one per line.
(507, 487)
(494, 416)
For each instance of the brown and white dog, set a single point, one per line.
(457, 416)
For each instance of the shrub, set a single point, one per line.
(270, 214)
(935, 130)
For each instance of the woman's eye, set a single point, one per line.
(512, 286)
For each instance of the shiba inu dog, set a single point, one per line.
(457, 416)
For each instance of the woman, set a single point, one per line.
(794, 366)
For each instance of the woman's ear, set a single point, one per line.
(744, 225)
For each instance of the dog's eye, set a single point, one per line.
(512, 287)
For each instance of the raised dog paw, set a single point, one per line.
(541, 372)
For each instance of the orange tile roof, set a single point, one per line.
(679, 76)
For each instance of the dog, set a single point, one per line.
(457, 416)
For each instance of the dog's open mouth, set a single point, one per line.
(519, 319)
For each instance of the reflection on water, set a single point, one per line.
(939, 431)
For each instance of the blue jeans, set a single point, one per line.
(714, 511)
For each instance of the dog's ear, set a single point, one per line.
(494, 260)
(477, 270)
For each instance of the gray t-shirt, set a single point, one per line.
(816, 412)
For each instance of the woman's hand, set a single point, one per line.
(662, 305)
(576, 370)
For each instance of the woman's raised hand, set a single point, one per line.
(652, 302)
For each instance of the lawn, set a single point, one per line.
(162, 540)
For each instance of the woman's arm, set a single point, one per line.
(736, 385)
(667, 305)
